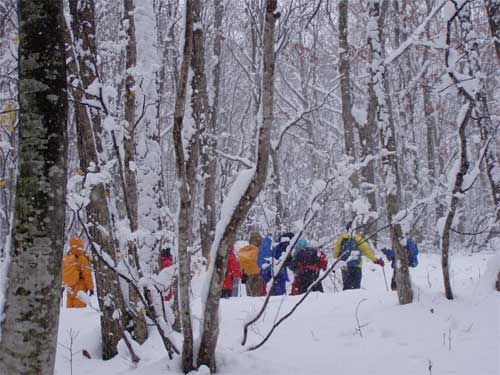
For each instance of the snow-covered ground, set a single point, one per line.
(430, 336)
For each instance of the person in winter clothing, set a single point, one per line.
(350, 247)
(76, 273)
(232, 271)
(247, 257)
(412, 253)
(266, 259)
(301, 244)
(166, 261)
(306, 264)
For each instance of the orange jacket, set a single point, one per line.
(247, 257)
(76, 270)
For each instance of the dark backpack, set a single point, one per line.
(350, 248)
(307, 257)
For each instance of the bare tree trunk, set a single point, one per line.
(433, 167)
(463, 119)
(430, 120)
(89, 143)
(457, 190)
(209, 140)
(493, 11)
(485, 123)
(345, 86)
(185, 213)
(276, 186)
(130, 193)
(368, 150)
(206, 355)
(390, 172)
(31, 316)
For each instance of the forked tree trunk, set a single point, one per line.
(89, 142)
(31, 316)
(210, 332)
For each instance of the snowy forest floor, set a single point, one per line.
(432, 336)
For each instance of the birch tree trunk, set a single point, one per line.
(390, 172)
(185, 219)
(29, 329)
(89, 142)
(206, 355)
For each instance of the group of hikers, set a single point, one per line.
(256, 264)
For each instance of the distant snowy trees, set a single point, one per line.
(193, 122)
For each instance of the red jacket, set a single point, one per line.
(232, 271)
(323, 261)
(167, 261)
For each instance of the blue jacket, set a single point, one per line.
(412, 249)
(264, 261)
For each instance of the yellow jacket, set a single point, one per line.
(362, 244)
(247, 256)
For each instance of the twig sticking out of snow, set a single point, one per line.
(360, 326)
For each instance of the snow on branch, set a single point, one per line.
(245, 161)
(471, 177)
(299, 117)
(414, 36)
